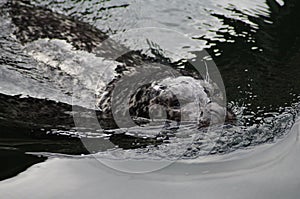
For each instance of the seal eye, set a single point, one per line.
(162, 87)
(154, 100)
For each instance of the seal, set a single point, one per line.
(34, 23)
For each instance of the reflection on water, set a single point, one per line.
(256, 49)
(14, 161)
(260, 64)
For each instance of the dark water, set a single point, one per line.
(255, 45)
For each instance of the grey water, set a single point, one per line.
(254, 44)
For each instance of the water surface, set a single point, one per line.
(254, 44)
